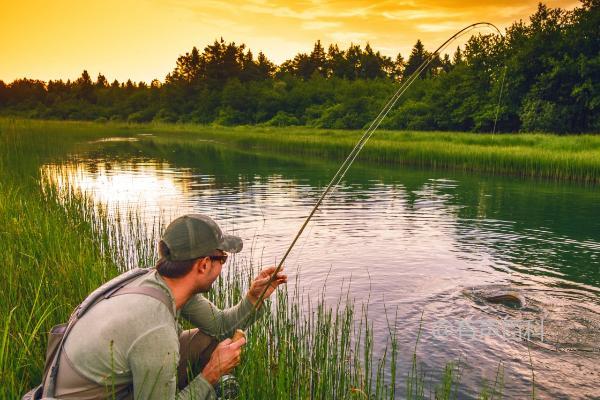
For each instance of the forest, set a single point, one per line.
(542, 76)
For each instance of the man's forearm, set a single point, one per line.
(220, 323)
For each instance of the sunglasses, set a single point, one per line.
(222, 259)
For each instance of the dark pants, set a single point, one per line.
(195, 348)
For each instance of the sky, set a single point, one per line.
(142, 39)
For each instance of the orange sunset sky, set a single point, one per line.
(142, 39)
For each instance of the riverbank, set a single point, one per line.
(545, 156)
(57, 249)
(540, 156)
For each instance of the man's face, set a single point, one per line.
(214, 267)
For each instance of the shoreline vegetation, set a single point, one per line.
(58, 247)
(545, 156)
(551, 157)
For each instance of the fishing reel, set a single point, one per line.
(228, 388)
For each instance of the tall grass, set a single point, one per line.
(546, 156)
(57, 247)
(50, 254)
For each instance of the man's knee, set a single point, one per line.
(195, 349)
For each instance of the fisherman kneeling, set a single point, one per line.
(129, 344)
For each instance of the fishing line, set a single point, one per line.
(341, 172)
(499, 99)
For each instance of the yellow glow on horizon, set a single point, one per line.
(142, 39)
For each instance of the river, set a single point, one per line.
(412, 242)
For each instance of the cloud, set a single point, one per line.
(350, 37)
(419, 14)
(280, 11)
(320, 25)
(440, 27)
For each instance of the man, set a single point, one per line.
(130, 346)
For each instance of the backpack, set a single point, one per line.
(59, 333)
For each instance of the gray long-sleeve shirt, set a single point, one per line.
(135, 339)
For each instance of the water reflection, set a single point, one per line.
(146, 184)
(412, 240)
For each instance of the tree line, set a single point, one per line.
(544, 75)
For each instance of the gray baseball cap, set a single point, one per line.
(195, 235)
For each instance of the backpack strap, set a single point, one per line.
(156, 293)
(108, 288)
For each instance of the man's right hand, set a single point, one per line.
(224, 358)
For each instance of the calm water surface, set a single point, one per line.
(415, 241)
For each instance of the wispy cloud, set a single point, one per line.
(320, 25)
(440, 27)
(350, 37)
(402, 15)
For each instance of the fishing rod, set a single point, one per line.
(341, 172)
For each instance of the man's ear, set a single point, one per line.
(201, 265)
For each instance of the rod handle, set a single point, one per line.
(238, 334)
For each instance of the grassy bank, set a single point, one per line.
(57, 250)
(575, 158)
(544, 156)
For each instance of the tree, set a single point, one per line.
(302, 66)
(223, 61)
(373, 65)
(188, 68)
(85, 88)
(101, 82)
(266, 68)
(250, 70)
(353, 58)
(26, 93)
(318, 59)
(446, 63)
(398, 69)
(336, 63)
(458, 57)
(418, 55)
(3, 93)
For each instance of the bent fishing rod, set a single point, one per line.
(341, 172)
